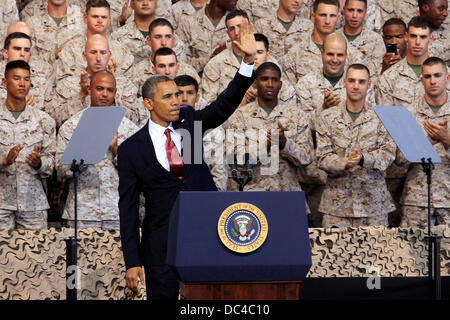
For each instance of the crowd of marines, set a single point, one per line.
(321, 66)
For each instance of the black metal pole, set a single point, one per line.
(434, 241)
(72, 276)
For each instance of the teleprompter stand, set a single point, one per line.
(88, 145)
(403, 128)
(434, 241)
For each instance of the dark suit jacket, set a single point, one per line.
(140, 171)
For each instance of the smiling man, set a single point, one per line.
(306, 56)
(354, 149)
(436, 11)
(150, 163)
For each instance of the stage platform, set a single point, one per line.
(32, 264)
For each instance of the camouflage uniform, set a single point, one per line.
(310, 90)
(221, 69)
(359, 192)
(415, 196)
(70, 59)
(143, 70)
(65, 100)
(133, 39)
(41, 78)
(371, 42)
(97, 194)
(21, 190)
(259, 9)
(48, 36)
(398, 86)
(404, 9)
(306, 58)
(282, 41)
(248, 120)
(201, 38)
(8, 15)
(440, 47)
(181, 10)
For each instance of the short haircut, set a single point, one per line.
(17, 64)
(105, 72)
(365, 2)
(151, 84)
(159, 22)
(421, 3)
(329, 2)
(431, 61)
(420, 22)
(15, 35)
(185, 80)
(268, 66)
(234, 14)
(97, 4)
(259, 37)
(164, 51)
(358, 66)
(395, 22)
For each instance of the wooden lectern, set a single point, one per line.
(239, 245)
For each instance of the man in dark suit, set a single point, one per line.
(150, 163)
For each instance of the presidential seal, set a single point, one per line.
(242, 227)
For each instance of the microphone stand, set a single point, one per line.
(238, 176)
(434, 241)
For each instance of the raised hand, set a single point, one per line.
(247, 43)
(126, 12)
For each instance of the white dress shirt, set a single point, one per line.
(159, 139)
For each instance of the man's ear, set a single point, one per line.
(148, 103)
(5, 54)
(84, 56)
(4, 82)
(85, 18)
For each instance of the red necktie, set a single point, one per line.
(175, 161)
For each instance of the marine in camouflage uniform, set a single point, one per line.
(65, 100)
(133, 39)
(357, 196)
(70, 58)
(42, 76)
(48, 36)
(283, 41)
(298, 151)
(98, 194)
(220, 70)
(8, 15)
(415, 196)
(306, 58)
(143, 70)
(23, 202)
(201, 38)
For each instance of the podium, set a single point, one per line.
(239, 245)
